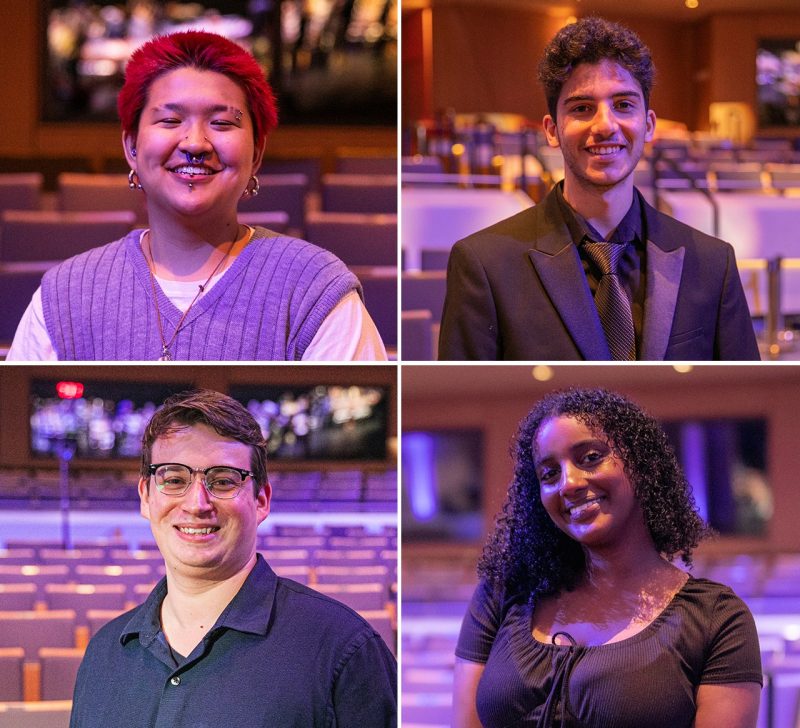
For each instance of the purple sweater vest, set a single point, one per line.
(267, 306)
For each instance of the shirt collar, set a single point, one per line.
(249, 611)
(629, 228)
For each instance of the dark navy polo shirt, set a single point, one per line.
(280, 654)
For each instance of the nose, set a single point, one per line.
(573, 481)
(197, 499)
(196, 141)
(604, 122)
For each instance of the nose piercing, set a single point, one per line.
(195, 158)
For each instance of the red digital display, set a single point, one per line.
(69, 390)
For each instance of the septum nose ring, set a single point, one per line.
(195, 158)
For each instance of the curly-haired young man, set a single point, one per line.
(594, 272)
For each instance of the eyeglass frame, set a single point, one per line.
(151, 469)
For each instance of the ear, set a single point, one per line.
(650, 125)
(262, 501)
(128, 145)
(144, 498)
(550, 131)
(258, 156)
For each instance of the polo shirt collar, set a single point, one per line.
(249, 611)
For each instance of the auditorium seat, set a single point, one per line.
(301, 574)
(11, 660)
(33, 630)
(99, 192)
(72, 557)
(17, 597)
(49, 235)
(416, 332)
(352, 574)
(275, 542)
(360, 541)
(44, 714)
(366, 165)
(360, 597)
(424, 291)
(137, 557)
(784, 176)
(20, 191)
(98, 618)
(421, 165)
(16, 556)
(380, 297)
(359, 193)
(18, 282)
(381, 621)
(341, 557)
(296, 557)
(128, 575)
(433, 259)
(281, 192)
(34, 574)
(59, 668)
(275, 220)
(356, 238)
(83, 597)
(736, 177)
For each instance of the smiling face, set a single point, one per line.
(602, 125)
(199, 115)
(584, 487)
(198, 535)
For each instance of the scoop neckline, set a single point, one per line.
(642, 634)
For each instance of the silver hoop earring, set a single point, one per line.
(133, 181)
(252, 191)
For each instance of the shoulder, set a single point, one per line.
(311, 610)
(715, 606)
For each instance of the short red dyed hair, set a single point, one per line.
(205, 52)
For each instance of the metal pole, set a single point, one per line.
(64, 456)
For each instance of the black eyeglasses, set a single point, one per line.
(221, 481)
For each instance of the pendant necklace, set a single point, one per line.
(166, 355)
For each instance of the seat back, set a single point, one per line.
(416, 333)
(37, 235)
(356, 238)
(33, 630)
(359, 193)
(59, 668)
(20, 191)
(284, 192)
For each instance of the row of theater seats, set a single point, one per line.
(364, 195)
(53, 600)
(351, 212)
(430, 631)
(304, 491)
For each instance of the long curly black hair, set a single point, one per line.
(528, 554)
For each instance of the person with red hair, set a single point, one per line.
(197, 285)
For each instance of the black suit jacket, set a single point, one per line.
(517, 291)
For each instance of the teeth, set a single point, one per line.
(194, 531)
(578, 510)
(186, 169)
(602, 151)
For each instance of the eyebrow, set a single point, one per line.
(588, 97)
(215, 109)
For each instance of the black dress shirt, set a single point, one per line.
(632, 267)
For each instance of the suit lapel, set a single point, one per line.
(559, 268)
(664, 270)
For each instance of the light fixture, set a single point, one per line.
(682, 368)
(543, 373)
(691, 4)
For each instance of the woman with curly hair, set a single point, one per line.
(580, 618)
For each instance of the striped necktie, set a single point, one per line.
(611, 300)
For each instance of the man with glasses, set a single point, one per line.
(222, 639)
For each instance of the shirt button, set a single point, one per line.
(175, 680)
